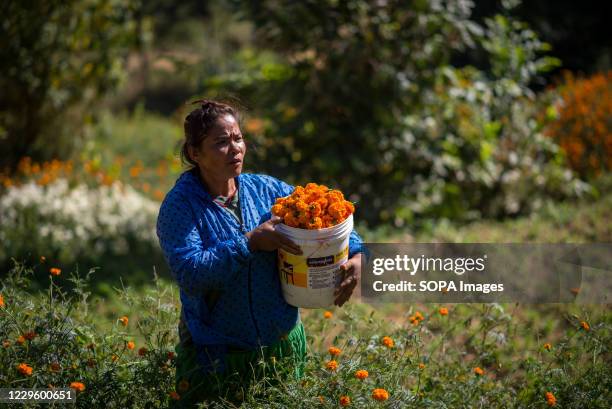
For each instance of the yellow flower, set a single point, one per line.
(331, 365)
(327, 315)
(55, 271)
(79, 386)
(478, 371)
(388, 342)
(380, 394)
(124, 320)
(361, 374)
(334, 351)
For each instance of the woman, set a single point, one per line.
(217, 236)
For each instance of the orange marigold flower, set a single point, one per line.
(130, 345)
(478, 371)
(550, 399)
(21, 339)
(78, 386)
(142, 351)
(443, 311)
(421, 365)
(380, 394)
(327, 315)
(388, 342)
(331, 365)
(24, 369)
(30, 335)
(547, 346)
(334, 351)
(585, 325)
(55, 271)
(183, 385)
(174, 395)
(124, 320)
(418, 316)
(345, 400)
(1, 301)
(361, 374)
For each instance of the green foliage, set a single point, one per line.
(363, 96)
(56, 57)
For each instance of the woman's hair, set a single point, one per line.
(198, 123)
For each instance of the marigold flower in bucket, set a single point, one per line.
(24, 369)
(361, 374)
(388, 342)
(345, 400)
(334, 351)
(331, 365)
(78, 386)
(550, 399)
(55, 271)
(380, 394)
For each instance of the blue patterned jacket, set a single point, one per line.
(207, 252)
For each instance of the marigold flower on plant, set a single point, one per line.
(388, 342)
(174, 395)
(443, 311)
(334, 351)
(361, 374)
(331, 365)
(1, 301)
(380, 394)
(327, 315)
(21, 339)
(130, 345)
(114, 357)
(55, 271)
(30, 335)
(585, 325)
(478, 371)
(550, 399)
(124, 320)
(421, 365)
(24, 369)
(547, 346)
(183, 385)
(78, 386)
(345, 400)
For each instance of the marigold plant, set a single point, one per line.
(313, 207)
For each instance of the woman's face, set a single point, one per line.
(222, 151)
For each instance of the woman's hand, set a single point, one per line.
(265, 238)
(352, 273)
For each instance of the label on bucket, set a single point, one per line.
(311, 272)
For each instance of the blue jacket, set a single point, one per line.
(206, 250)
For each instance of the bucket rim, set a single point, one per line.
(289, 228)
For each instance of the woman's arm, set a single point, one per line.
(194, 266)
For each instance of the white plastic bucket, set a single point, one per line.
(309, 280)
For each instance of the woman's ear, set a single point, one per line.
(193, 153)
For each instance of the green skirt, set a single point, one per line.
(267, 365)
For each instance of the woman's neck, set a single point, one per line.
(218, 186)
